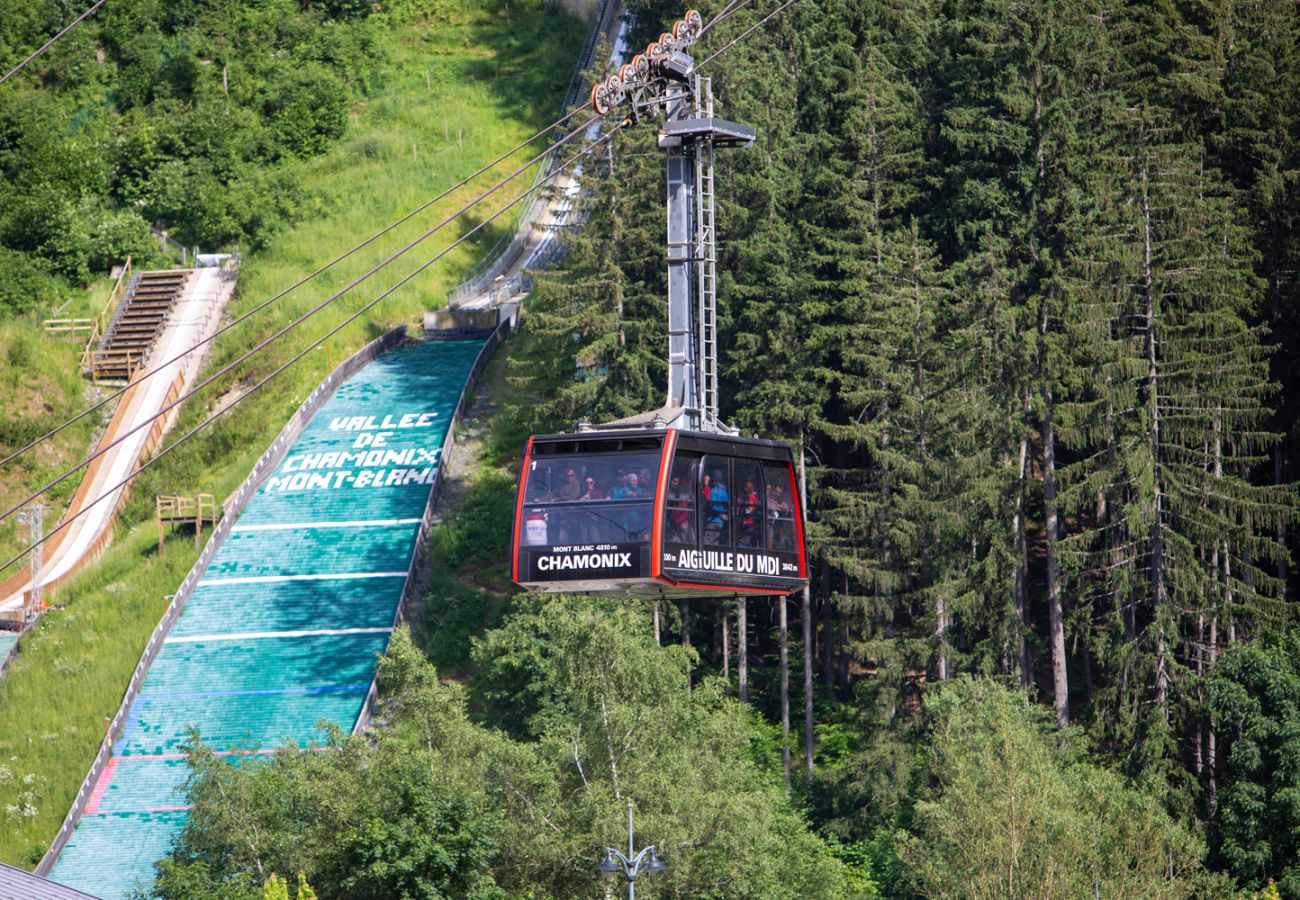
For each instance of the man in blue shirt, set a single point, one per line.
(715, 510)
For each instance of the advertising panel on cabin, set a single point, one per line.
(573, 562)
(729, 563)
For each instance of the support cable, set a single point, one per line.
(297, 284)
(51, 42)
(744, 34)
(289, 327)
(731, 8)
(279, 334)
(333, 331)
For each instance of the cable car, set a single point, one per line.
(671, 503)
(668, 513)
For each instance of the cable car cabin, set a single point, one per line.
(665, 513)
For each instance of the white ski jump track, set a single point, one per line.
(195, 316)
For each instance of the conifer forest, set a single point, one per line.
(1021, 280)
(1019, 283)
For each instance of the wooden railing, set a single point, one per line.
(174, 509)
(95, 362)
(116, 294)
(92, 328)
(71, 329)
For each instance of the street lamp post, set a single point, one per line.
(634, 863)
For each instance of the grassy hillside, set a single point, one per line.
(39, 389)
(453, 97)
(469, 586)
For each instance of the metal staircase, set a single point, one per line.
(663, 84)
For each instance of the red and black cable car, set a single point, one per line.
(669, 503)
(662, 512)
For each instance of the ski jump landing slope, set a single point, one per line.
(283, 625)
(195, 317)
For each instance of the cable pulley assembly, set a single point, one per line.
(663, 60)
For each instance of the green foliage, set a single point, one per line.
(25, 283)
(994, 266)
(1255, 700)
(184, 119)
(615, 719)
(426, 12)
(307, 109)
(860, 866)
(593, 353)
(193, 880)
(276, 888)
(1015, 811)
(360, 822)
(431, 802)
(468, 572)
(67, 680)
(476, 532)
(56, 695)
(971, 233)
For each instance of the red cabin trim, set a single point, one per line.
(798, 520)
(730, 589)
(661, 494)
(519, 512)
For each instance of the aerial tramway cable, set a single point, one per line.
(731, 8)
(283, 367)
(547, 177)
(52, 41)
(744, 34)
(677, 504)
(264, 304)
(285, 329)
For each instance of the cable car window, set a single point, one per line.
(595, 476)
(680, 505)
(715, 501)
(780, 507)
(747, 502)
(589, 498)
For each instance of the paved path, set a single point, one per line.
(536, 244)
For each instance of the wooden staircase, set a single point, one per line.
(136, 323)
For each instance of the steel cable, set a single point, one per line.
(727, 11)
(51, 42)
(549, 176)
(263, 305)
(732, 7)
(283, 367)
(744, 34)
(285, 329)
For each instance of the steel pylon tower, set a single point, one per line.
(663, 82)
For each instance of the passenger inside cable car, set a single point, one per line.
(757, 515)
(589, 499)
(593, 515)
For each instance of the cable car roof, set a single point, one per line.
(599, 440)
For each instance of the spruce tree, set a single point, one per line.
(1187, 537)
(595, 321)
(1014, 83)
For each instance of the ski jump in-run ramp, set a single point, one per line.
(129, 437)
(280, 623)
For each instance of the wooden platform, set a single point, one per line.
(173, 509)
